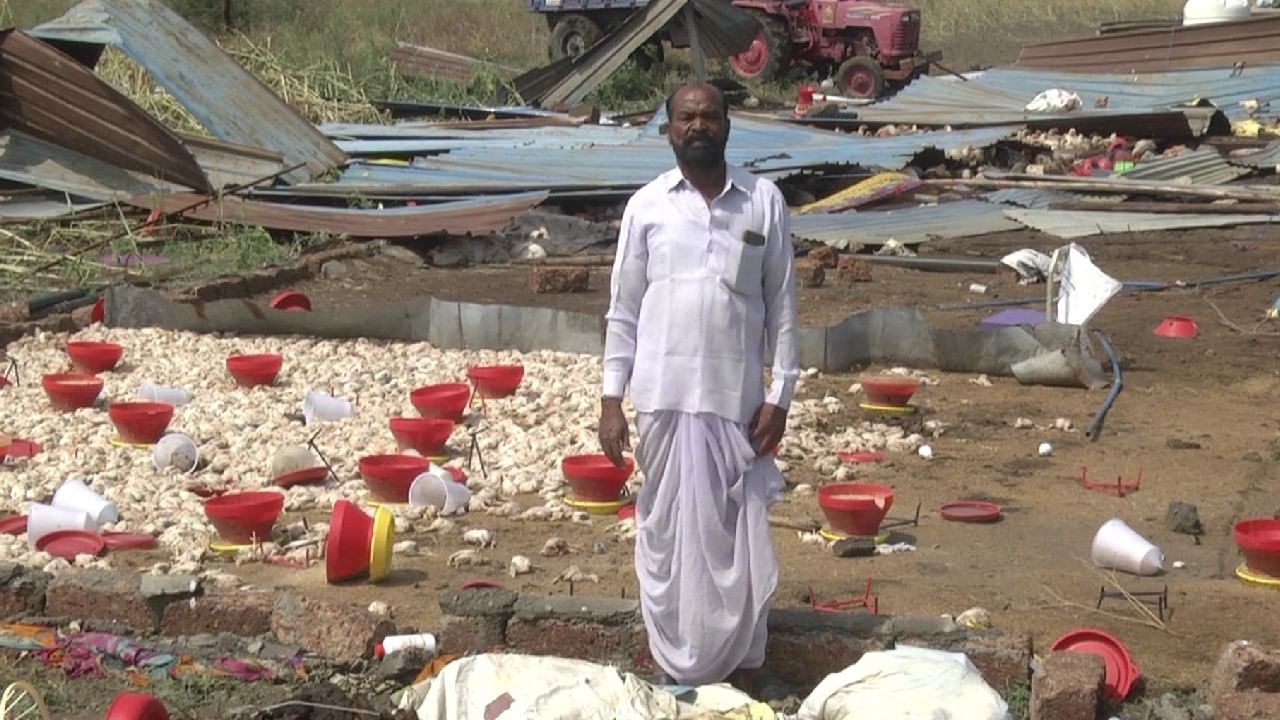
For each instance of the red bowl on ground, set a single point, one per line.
(594, 478)
(251, 370)
(136, 706)
(447, 400)
(496, 381)
(309, 476)
(426, 435)
(239, 517)
(893, 390)
(1177, 326)
(389, 476)
(349, 544)
(140, 423)
(71, 391)
(1122, 673)
(94, 357)
(291, 300)
(855, 508)
(1259, 542)
(69, 544)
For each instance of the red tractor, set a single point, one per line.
(864, 45)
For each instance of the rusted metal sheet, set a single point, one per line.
(229, 164)
(224, 97)
(473, 215)
(38, 163)
(48, 95)
(1255, 41)
(428, 62)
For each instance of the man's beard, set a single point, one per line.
(702, 152)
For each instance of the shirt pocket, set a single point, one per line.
(744, 265)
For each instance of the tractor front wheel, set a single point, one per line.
(573, 35)
(860, 77)
(769, 56)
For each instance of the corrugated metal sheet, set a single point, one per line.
(1266, 158)
(1068, 224)
(227, 164)
(473, 215)
(1028, 197)
(999, 95)
(228, 100)
(43, 205)
(48, 95)
(1204, 166)
(32, 161)
(1255, 41)
(910, 226)
(428, 62)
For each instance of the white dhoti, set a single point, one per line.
(704, 555)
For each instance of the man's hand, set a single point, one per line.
(767, 427)
(613, 430)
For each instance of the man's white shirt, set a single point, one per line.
(697, 291)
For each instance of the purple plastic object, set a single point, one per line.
(1012, 317)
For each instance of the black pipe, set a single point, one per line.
(1237, 277)
(936, 264)
(1117, 384)
(990, 304)
(35, 305)
(65, 306)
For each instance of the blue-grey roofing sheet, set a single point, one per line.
(1268, 157)
(1006, 91)
(909, 226)
(770, 148)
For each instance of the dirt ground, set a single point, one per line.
(1196, 417)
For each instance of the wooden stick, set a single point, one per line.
(1064, 182)
(797, 525)
(1171, 207)
(1067, 603)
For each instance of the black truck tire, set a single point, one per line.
(573, 34)
(769, 57)
(860, 77)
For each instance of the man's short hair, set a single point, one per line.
(724, 100)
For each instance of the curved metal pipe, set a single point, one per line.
(1117, 384)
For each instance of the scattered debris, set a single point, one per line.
(1183, 518)
(572, 574)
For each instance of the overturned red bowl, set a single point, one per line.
(446, 400)
(71, 391)
(594, 478)
(496, 381)
(855, 508)
(252, 370)
(91, 356)
(427, 436)
(389, 476)
(140, 423)
(889, 389)
(241, 517)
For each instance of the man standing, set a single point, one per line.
(702, 279)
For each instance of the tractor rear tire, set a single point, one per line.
(573, 35)
(769, 57)
(860, 77)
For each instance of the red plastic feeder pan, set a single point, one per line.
(239, 518)
(855, 508)
(447, 400)
(93, 356)
(891, 390)
(140, 423)
(427, 436)
(496, 381)
(1122, 673)
(136, 706)
(291, 300)
(1259, 542)
(594, 478)
(1177, 326)
(71, 391)
(253, 370)
(389, 476)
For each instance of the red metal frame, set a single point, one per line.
(867, 600)
(1119, 488)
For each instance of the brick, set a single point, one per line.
(13, 312)
(478, 602)
(1247, 706)
(476, 634)
(22, 591)
(243, 613)
(853, 270)
(803, 659)
(547, 280)
(335, 632)
(162, 586)
(1003, 659)
(1245, 666)
(82, 316)
(826, 256)
(603, 610)
(579, 639)
(809, 273)
(101, 596)
(640, 656)
(1068, 686)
